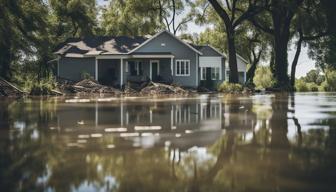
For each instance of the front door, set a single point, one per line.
(154, 73)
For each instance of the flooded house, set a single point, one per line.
(162, 57)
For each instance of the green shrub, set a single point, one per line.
(30, 84)
(230, 87)
(86, 75)
(44, 86)
(330, 80)
(323, 86)
(263, 78)
(313, 87)
(301, 86)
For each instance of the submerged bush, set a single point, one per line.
(263, 78)
(230, 87)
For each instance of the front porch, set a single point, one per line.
(138, 68)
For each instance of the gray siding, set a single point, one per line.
(109, 71)
(72, 68)
(180, 51)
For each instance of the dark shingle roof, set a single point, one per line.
(206, 50)
(99, 44)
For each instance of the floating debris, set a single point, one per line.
(9, 90)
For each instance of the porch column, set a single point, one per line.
(197, 66)
(121, 71)
(244, 76)
(96, 69)
(171, 66)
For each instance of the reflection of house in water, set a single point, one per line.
(183, 124)
(238, 116)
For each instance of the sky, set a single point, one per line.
(305, 64)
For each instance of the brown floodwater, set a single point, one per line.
(204, 143)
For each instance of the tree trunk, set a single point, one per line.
(295, 62)
(250, 73)
(281, 39)
(281, 62)
(233, 78)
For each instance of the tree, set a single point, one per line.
(314, 76)
(322, 50)
(253, 45)
(21, 24)
(310, 24)
(170, 10)
(73, 18)
(131, 17)
(233, 13)
(281, 14)
(250, 44)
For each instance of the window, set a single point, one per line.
(203, 73)
(182, 68)
(135, 68)
(215, 73)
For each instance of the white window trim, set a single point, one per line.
(185, 61)
(202, 73)
(217, 71)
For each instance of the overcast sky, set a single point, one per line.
(305, 64)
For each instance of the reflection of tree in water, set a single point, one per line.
(267, 161)
(24, 152)
(278, 122)
(276, 165)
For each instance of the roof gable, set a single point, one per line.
(171, 35)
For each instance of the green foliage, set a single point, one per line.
(227, 87)
(330, 81)
(86, 75)
(302, 86)
(31, 84)
(314, 76)
(135, 18)
(74, 18)
(313, 81)
(263, 78)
